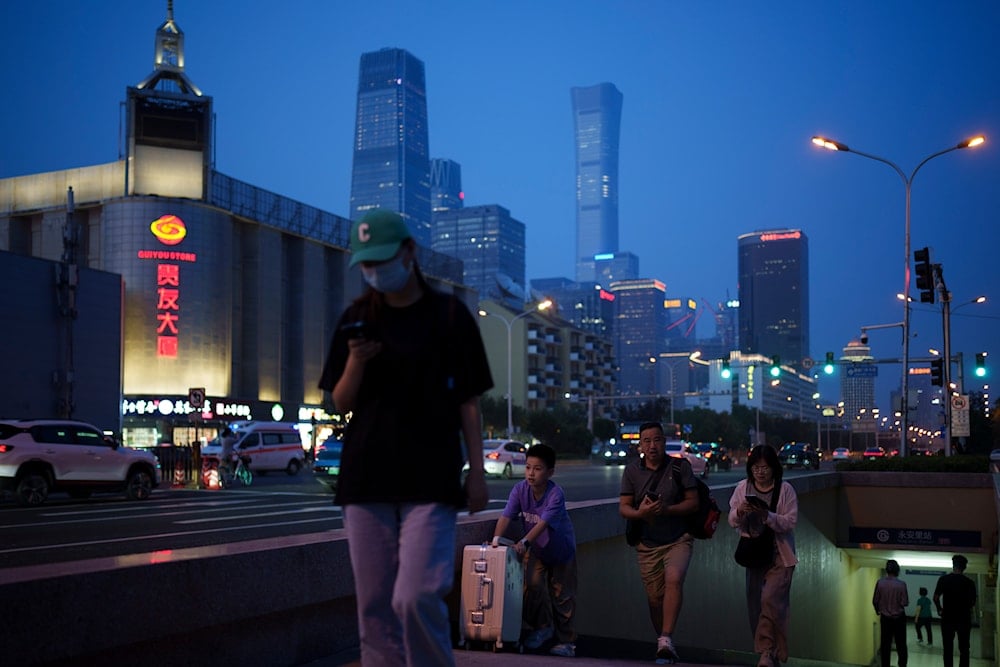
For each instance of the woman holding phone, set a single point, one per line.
(407, 363)
(768, 588)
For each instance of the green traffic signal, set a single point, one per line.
(830, 364)
(775, 366)
(726, 371)
(980, 364)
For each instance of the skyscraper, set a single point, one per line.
(773, 270)
(597, 112)
(490, 244)
(446, 185)
(640, 320)
(857, 390)
(391, 155)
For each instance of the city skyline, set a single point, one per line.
(715, 138)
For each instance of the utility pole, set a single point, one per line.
(67, 273)
(946, 375)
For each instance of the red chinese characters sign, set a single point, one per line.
(169, 230)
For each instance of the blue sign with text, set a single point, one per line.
(862, 371)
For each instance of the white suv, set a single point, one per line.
(40, 456)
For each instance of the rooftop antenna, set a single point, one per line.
(168, 58)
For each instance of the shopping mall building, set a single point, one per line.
(227, 292)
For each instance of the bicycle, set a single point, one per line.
(241, 473)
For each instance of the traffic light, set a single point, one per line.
(727, 371)
(775, 366)
(829, 364)
(980, 364)
(937, 372)
(925, 275)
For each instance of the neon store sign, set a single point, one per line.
(780, 236)
(165, 407)
(169, 230)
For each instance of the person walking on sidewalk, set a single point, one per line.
(768, 587)
(954, 597)
(404, 354)
(923, 617)
(890, 601)
(660, 497)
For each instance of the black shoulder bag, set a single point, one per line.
(633, 527)
(758, 551)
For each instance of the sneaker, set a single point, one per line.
(665, 650)
(538, 637)
(565, 650)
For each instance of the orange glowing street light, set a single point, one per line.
(972, 142)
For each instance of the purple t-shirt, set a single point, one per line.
(557, 543)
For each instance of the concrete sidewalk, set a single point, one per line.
(590, 652)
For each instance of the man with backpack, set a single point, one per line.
(657, 499)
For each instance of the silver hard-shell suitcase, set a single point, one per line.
(492, 594)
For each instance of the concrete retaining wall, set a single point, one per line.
(288, 601)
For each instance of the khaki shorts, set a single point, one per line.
(658, 564)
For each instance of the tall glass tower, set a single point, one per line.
(490, 244)
(391, 155)
(446, 185)
(597, 113)
(773, 270)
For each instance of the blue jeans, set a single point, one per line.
(403, 559)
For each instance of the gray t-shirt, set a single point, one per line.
(635, 482)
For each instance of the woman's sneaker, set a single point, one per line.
(665, 651)
(565, 650)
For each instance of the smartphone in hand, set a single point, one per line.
(359, 329)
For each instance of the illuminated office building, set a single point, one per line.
(773, 273)
(597, 114)
(391, 153)
(640, 320)
(446, 185)
(490, 244)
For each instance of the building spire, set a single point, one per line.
(168, 57)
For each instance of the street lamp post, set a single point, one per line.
(509, 323)
(907, 184)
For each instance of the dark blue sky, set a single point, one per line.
(720, 101)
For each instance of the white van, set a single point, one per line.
(268, 445)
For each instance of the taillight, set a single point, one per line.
(493, 456)
(4, 448)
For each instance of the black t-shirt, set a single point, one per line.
(402, 443)
(959, 596)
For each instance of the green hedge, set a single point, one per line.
(963, 463)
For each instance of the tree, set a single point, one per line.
(562, 428)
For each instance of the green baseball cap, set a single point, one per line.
(377, 236)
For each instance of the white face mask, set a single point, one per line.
(390, 276)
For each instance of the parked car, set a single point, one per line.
(503, 458)
(326, 465)
(716, 455)
(841, 454)
(798, 454)
(269, 446)
(684, 450)
(873, 453)
(41, 456)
